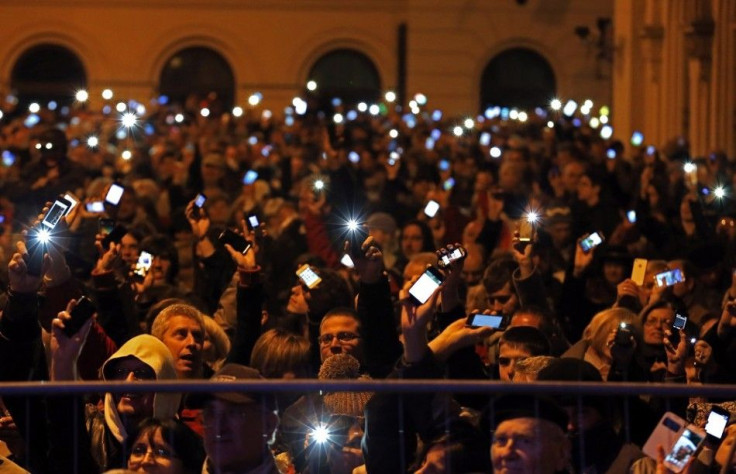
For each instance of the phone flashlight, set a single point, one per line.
(320, 434)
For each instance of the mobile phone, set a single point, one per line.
(116, 234)
(142, 266)
(637, 138)
(347, 261)
(253, 222)
(591, 241)
(444, 165)
(679, 439)
(448, 184)
(716, 425)
(431, 209)
(457, 254)
(235, 240)
(80, 314)
(55, 213)
(623, 335)
(95, 207)
(114, 194)
(679, 322)
(36, 249)
(526, 234)
(669, 278)
(479, 320)
(308, 276)
(73, 201)
(250, 177)
(105, 226)
(631, 216)
(611, 154)
(429, 143)
(198, 204)
(423, 288)
(639, 271)
(485, 139)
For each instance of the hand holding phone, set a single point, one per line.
(424, 287)
(430, 210)
(83, 310)
(591, 241)
(679, 439)
(235, 240)
(308, 276)
(716, 425)
(451, 254)
(143, 266)
(480, 320)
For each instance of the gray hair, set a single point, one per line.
(161, 323)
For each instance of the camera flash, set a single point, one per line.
(689, 167)
(719, 192)
(81, 95)
(319, 185)
(352, 225)
(44, 236)
(532, 217)
(320, 434)
(129, 119)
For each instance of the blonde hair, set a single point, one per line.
(219, 340)
(597, 331)
(278, 351)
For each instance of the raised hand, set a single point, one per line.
(65, 349)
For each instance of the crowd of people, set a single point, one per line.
(161, 242)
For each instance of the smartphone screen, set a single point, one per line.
(105, 226)
(145, 260)
(485, 139)
(637, 138)
(631, 216)
(431, 208)
(57, 211)
(95, 206)
(72, 202)
(669, 278)
(253, 221)
(591, 241)
(114, 194)
(250, 177)
(308, 276)
(347, 261)
(680, 322)
(683, 450)
(716, 424)
(457, 254)
(199, 200)
(494, 321)
(425, 285)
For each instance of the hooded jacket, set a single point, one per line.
(106, 430)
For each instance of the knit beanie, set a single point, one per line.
(344, 366)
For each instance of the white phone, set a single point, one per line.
(679, 439)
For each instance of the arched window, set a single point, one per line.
(517, 77)
(346, 74)
(47, 72)
(198, 71)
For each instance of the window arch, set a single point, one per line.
(47, 72)
(198, 71)
(347, 74)
(517, 77)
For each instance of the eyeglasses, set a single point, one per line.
(121, 373)
(501, 299)
(343, 336)
(139, 452)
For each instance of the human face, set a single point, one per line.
(560, 234)
(334, 326)
(502, 301)
(528, 446)
(233, 434)
(299, 300)
(160, 268)
(411, 240)
(153, 454)
(129, 249)
(613, 272)
(586, 189)
(133, 405)
(508, 356)
(657, 321)
(185, 337)
(571, 174)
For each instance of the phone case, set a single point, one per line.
(639, 270)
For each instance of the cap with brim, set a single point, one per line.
(511, 407)
(232, 373)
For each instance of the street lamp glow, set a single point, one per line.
(374, 109)
(390, 96)
(107, 94)
(81, 95)
(362, 107)
(604, 110)
(570, 107)
(311, 86)
(606, 132)
(523, 117)
(300, 106)
(594, 122)
(604, 119)
(255, 99)
(555, 104)
(588, 104)
(129, 119)
(338, 118)
(421, 99)
(237, 111)
(513, 114)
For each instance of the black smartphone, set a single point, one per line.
(115, 235)
(236, 241)
(80, 314)
(105, 226)
(623, 335)
(457, 254)
(716, 424)
(679, 323)
(479, 320)
(142, 266)
(36, 247)
(423, 288)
